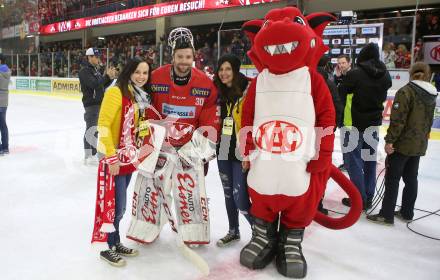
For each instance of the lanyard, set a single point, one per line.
(229, 108)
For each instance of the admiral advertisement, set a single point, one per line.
(66, 86)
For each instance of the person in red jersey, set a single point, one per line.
(186, 92)
(184, 101)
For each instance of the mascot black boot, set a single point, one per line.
(261, 250)
(290, 259)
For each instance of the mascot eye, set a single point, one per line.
(299, 20)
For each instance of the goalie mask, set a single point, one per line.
(180, 38)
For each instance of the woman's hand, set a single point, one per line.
(389, 149)
(111, 72)
(245, 165)
(114, 168)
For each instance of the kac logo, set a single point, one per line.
(278, 137)
(435, 53)
(110, 214)
(178, 130)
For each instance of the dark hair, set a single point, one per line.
(124, 78)
(239, 81)
(344, 56)
(326, 64)
(183, 43)
(368, 52)
(2, 58)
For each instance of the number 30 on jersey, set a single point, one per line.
(200, 101)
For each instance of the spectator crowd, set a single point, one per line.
(64, 58)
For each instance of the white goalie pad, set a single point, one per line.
(199, 150)
(148, 165)
(172, 179)
(191, 203)
(148, 212)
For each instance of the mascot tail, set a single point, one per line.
(356, 203)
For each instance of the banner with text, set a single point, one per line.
(146, 12)
(66, 86)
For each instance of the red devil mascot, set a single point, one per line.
(291, 113)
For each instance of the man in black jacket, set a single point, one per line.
(342, 68)
(93, 84)
(363, 91)
(324, 68)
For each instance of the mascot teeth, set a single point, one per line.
(282, 48)
(312, 43)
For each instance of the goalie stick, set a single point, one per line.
(189, 254)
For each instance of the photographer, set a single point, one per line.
(93, 84)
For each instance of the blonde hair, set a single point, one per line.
(420, 71)
(402, 47)
(387, 47)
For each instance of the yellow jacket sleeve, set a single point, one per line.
(109, 121)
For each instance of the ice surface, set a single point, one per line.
(47, 207)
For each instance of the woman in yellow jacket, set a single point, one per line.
(232, 86)
(120, 127)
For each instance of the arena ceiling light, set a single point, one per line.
(421, 9)
(101, 38)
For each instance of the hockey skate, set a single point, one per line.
(260, 251)
(290, 260)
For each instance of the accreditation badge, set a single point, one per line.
(144, 128)
(228, 126)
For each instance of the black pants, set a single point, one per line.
(91, 135)
(4, 144)
(407, 168)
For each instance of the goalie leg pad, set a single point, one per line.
(191, 204)
(148, 216)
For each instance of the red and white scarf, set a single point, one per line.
(128, 157)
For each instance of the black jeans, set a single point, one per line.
(4, 130)
(236, 192)
(91, 134)
(406, 167)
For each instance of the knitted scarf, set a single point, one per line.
(127, 155)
